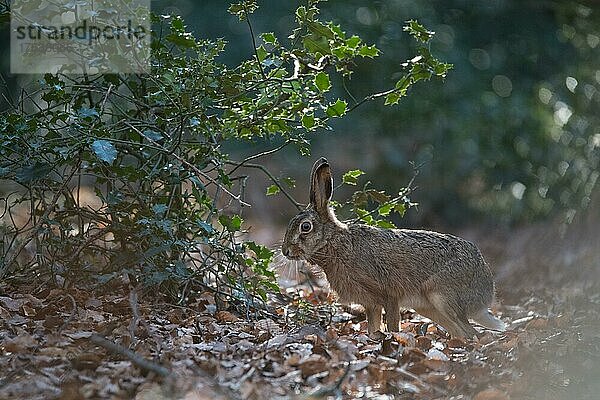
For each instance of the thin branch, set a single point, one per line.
(405, 192)
(135, 358)
(298, 205)
(255, 156)
(262, 72)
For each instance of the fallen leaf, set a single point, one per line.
(267, 325)
(312, 367)
(491, 394)
(86, 361)
(405, 339)
(423, 342)
(11, 304)
(277, 341)
(537, 323)
(79, 335)
(225, 316)
(521, 321)
(28, 311)
(435, 354)
(19, 343)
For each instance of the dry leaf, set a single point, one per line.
(537, 323)
(225, 316)
(11, 304)
(312, 367)
(491, 394)
(268, 325)
(20, 343)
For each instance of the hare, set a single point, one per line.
(442, 277)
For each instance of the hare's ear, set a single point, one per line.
(321, 186)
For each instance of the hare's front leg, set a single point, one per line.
(373, 318)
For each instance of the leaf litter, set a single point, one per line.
(80, 344)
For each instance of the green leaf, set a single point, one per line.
(351, 177)
(271, 190)
(152, 135)
(400, 209)
(104, 150)
(308, 121)
(269, 37)
(322, 81)
(392, 98)
(206, 227)
(231, 223)
(262, 252)
(337, 109)
(403, 83)
(261, 53)
(181, 40)
(291, 182)
(382, 223)
(368, 51)
(385, 209)
(378, 196)
(243, 8)
(418, 31)
(159, 209)
(353, 42)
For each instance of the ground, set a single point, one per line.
(117, 343)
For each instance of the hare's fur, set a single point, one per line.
(443, 277)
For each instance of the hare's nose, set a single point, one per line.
(286, 251)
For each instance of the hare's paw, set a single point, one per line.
(377, 335)
(373, 318)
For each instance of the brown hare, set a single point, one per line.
(442, 277)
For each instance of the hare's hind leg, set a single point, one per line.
(441, 319)
(392, 315)
(373, 318)
(451, 316)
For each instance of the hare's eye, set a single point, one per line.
(305, 227)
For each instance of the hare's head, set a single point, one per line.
(309, 231)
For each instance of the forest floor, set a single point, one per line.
(79, 344)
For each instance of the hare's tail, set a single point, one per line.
(486, 319)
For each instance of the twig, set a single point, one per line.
(405, 192)
(298, 205)
(135, 358)
(421, 381)
(72, 316)
(258, 155)
(136, 314)
(262, 71)
(135, 310)
(334, 390)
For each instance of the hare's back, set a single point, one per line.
(440, 242)
(416, 248)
